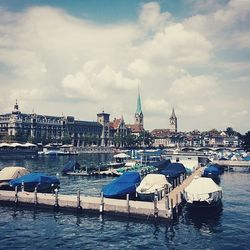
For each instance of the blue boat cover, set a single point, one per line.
(160, 164)
(212, 169)
(125, 184)
(247, 158)
(34, 179)
(174, 170)
(71, 166)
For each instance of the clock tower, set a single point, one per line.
(138, 113)
(173, 122)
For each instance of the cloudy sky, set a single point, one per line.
(81, 57)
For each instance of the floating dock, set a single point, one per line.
(163, 209)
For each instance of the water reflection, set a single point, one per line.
(205, 220)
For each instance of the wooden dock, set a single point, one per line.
(163, 209)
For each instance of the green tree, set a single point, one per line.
(66, 138)
(246, 141)
(230, 131)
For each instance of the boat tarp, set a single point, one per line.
(9, 173)
(122, 155)
(202, 189)
(151, 182)
(162, 164)
(125, 184)
(174, 169)
(35, 179)
(213, 169)
(70, 166)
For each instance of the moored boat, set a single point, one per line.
(9, 173)
(123, 185)
(152, 184)
(203, 192)
(41, 181)
(72, 167)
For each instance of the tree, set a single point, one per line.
(246, 141)
(230, 131)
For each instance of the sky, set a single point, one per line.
(64, 57)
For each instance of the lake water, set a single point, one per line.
(45, 229)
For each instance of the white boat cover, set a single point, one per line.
(9, 173)
(151, 182)
(202, 189)
(121, 155)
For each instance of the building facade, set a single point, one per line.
(17, 125)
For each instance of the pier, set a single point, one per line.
(228, 163)
(163, 209)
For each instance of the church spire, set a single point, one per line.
(173, 113)
(138, 107)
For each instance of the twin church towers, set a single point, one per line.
(139, 117)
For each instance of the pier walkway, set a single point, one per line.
(163, 209)
(228, 163)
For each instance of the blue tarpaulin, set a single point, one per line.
(70, 166)
(174, 170)
(212, 169)
(125, 184)
(30, 181)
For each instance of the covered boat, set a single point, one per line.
(174, 170)
(123, 185)
(43, 182)
(9, 173)
(150, 184)
(71, 166)
(203, 192)
(212, 170)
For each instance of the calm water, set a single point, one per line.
(30, 229)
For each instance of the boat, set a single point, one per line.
(203, 192)
(72, 167)
(120, 161)
(174, 170)
(9, 173)
(151, 184)
(212, 171)
(41, 181)
(123, 185)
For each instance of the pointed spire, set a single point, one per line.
(173, 113)
(138, 107)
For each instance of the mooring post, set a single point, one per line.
(171, 208)
(128, 206)
(22, 186)
(16, 197)
(79, 207)
(102, 204)
(56, 206)
(155, 203)
(35, 196)
(176, 204)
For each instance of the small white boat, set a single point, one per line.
(151, 184)
(203, 192)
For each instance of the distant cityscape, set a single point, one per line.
(21, 127)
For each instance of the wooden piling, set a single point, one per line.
(171, 208)
(102, 203)
(128, 206)
(16, 195)
(155, 204)
(35, 196)
(56, 206)
(79, 207)
(176, 203)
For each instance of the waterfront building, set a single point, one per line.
(34, 127)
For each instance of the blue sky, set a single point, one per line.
(78, 57)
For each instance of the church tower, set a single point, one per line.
(173, 122)
(138, 113)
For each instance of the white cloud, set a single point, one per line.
(52, 59)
